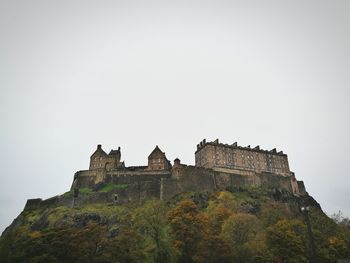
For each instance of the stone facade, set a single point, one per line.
(101, 160)
(158, 161)
(217, 167)
(214, 161)
(219, 155)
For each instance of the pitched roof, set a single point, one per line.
(115, 152)
(99, 151)
(156, 152)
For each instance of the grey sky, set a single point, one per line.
(139, 73)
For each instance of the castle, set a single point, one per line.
(217, 166)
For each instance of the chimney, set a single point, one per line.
(99, 147)
(177, 163)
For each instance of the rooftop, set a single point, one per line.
(235, 145)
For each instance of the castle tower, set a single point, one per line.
(157, 160)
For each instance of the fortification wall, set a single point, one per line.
(88, 178)
(136, 189)
(187, 179)
(301, 188)
(190, 178)
(140, 185)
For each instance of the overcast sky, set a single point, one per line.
(74, 74)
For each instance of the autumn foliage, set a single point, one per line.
(221, 227)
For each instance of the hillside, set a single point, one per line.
(239, 225)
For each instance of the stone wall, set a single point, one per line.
(301, 188)
(218, 167)
(139, 183)
(191, 178)
(88, 178)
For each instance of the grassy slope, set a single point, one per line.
(106, 223)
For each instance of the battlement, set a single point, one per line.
(217, 166)
(235, 145)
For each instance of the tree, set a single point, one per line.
(340, 219)
(217, 217)
(287, 241)
(188, 228)
(240, 228)
(239, 231)
(126, 247)
(272, 212)
(150, 220)
(332, 236)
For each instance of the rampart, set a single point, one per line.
(217, 168)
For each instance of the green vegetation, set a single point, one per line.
(105, 189)
(110, 187)
(67, 194)
(85, 190)
(228, 226)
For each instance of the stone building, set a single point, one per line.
(218, 155)
(217, 167)
(101, 160)
(158, 161)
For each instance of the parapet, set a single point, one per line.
(33, 204)
(235, 145)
